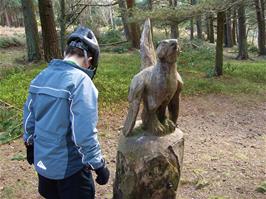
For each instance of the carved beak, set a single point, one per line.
(173, 44)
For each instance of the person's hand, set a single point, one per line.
(30, 153)
(102, 175)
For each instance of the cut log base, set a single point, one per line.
(149, 167)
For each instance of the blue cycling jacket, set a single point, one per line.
(60, 117)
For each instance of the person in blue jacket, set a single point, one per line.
(60, 118)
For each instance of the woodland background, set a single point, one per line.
(223, 65)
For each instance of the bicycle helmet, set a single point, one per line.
(84, 39)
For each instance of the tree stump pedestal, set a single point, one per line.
(149, 167)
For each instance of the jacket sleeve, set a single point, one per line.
(84, 118)
(28, 121)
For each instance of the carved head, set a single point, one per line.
(168, 50)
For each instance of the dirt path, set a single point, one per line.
(225, 145)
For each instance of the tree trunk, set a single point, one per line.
(174, 31)
(31, 31)
(62, 26)
(259, 4)
(198, 22)
(8, 23)
(112, 17)
(135, 34)
(192, 2)
(199, 27)
(225, 35)
(150, 8)
(50, 40)
(219, 44)
(150, 168)
(228, 30)
(242, 43)
(211, 29)
(174, 26)
(134, 27)
(207, 21)
(234, 28)
(191, 29)
(17, 19)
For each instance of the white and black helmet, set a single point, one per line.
(83, 38)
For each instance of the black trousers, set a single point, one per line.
(78, 186)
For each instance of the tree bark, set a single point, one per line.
(150, 168)
(234, 28)
(219, 44)
(191, 29)
(198, 22)
(112, 17)
(8, 23)
(199, 27)
(228, 30)
(242, 43)
(50, 40)
(259, 4)
(62, 26)
(211, 30)
(174, 26)
(225, 35)
(31, 31)
(192, 2)
(150, 8)
(207, 24)
(134, 28)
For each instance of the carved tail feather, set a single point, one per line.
(131, 117)
(147, 51)
(134, 98)
(179, 79)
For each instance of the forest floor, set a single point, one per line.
(225, 144)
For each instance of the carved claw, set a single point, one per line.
(158, 129)
(170, 125)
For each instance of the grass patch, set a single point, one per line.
(12, 57)
(240, 77)
(116, 71)
(110, 36)
(112, 80)
(18, 157)
(218, 197)
(10, 123)
(114, 76)
(12, 41)
(7, 193)
(262, 187)
(13, 190)
(14, 87)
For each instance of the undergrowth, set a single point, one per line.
(10, 123)
(196, 66)
(114, 74)
(12, 41)
(116, 71)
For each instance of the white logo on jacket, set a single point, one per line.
(41, 165)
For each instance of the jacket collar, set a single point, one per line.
(59, 62)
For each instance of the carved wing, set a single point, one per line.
(147, 51)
